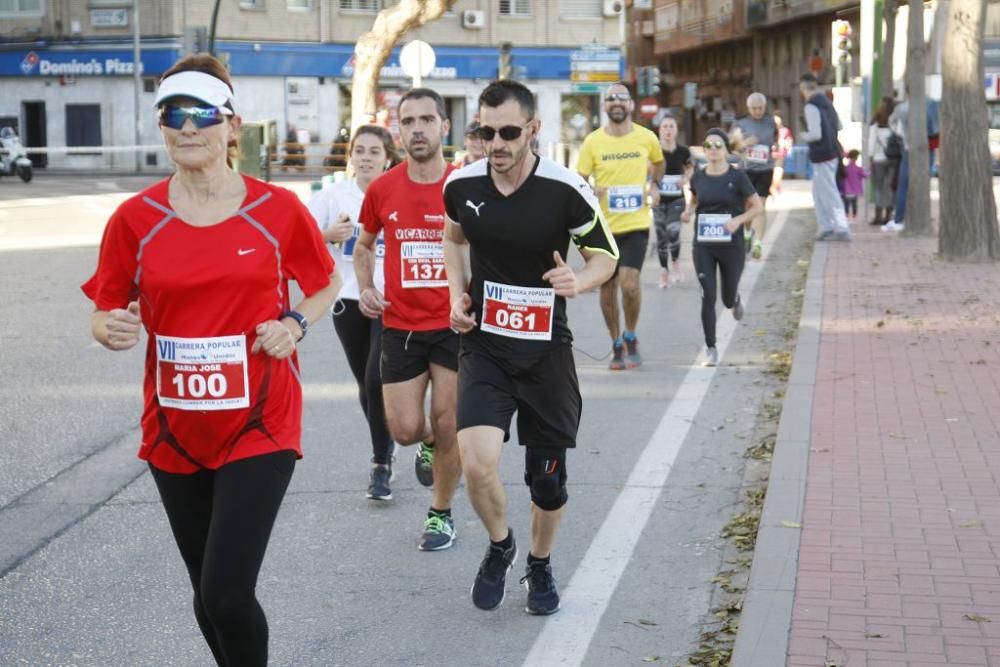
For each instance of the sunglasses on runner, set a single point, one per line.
(507, 132)
(713, 144)
(174, 117)
(617, 97)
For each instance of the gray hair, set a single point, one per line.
(756, 98)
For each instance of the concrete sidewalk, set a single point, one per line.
(880, 538)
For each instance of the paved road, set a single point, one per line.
(90, 576)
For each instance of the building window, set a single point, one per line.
(367, 6)
(83, 126)
(581, 9)
(299, 5)
(252, 4)
(515, 7)
(21, 8)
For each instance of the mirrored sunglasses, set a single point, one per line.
(713, 144)
(617, 97)
(507, 132)
(174, 117)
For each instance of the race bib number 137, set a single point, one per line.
(202, 373)
(423, 264)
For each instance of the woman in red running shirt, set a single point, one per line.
(201, 261)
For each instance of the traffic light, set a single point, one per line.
(653, 81)
(505, 64)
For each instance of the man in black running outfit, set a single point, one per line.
(510, 219)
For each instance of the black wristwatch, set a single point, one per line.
(299, 318)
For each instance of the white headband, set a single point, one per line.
(196, 85)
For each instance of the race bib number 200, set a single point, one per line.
(712, 228)
(202, 373)
(423, 264)
(518, 312)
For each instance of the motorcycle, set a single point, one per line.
(12, 156)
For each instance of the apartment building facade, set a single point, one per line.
(66, 66)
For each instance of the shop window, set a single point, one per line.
(367, 6)
(21, 8)
(576, 9)
(515, 7)
(83, 126)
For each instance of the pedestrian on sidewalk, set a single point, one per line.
(510, 219)
(336, 208)
(626, 163)
(201, 261)
(854, 183)
(882, 166)
(822, 126)
(723, 201)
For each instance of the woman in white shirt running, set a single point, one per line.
(336, 207)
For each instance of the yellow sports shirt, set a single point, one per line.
(620, 164)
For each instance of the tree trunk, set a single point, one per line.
(888, 48)
(374, 47)
(969, 231)
(918, 198)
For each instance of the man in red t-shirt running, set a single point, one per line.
(417, 344)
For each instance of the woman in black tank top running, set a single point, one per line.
(723, 201)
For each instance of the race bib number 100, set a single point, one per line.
(518, 312)
(712, 228)
(423, 264)
(202, 373)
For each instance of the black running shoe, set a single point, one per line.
(489, 588)
(543, 598)
(423, 464)
(378, 487)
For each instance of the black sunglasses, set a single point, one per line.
(174, 117)
(617, 97)
(507, 132)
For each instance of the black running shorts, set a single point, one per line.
(761, 181)
(543, 391)
(407, 354)
(632, 249)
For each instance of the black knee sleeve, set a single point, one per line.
(545, 475)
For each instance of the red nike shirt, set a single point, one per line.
(412, 215)
(202, 292)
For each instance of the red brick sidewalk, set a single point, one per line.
(900, 546)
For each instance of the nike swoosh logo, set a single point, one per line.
(242, 252)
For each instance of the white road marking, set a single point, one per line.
(566, 637)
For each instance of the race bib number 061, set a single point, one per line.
(202, 373)
(518, 312)
(423, 264)
(712, 228)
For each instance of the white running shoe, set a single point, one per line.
(892, 226)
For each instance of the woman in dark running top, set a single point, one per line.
(667, 214)
(722, 201)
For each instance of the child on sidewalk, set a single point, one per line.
(853, 184)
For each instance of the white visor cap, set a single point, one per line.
(196, 85)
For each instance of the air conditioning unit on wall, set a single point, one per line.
(473, 19)
(613, 7)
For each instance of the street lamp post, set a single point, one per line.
(137, 83)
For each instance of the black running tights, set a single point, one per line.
(362, 340)
(221, 520)
(728, 259)
(667, 222)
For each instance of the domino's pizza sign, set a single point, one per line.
(30, 62)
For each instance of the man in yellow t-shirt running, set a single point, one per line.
(623, 160)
